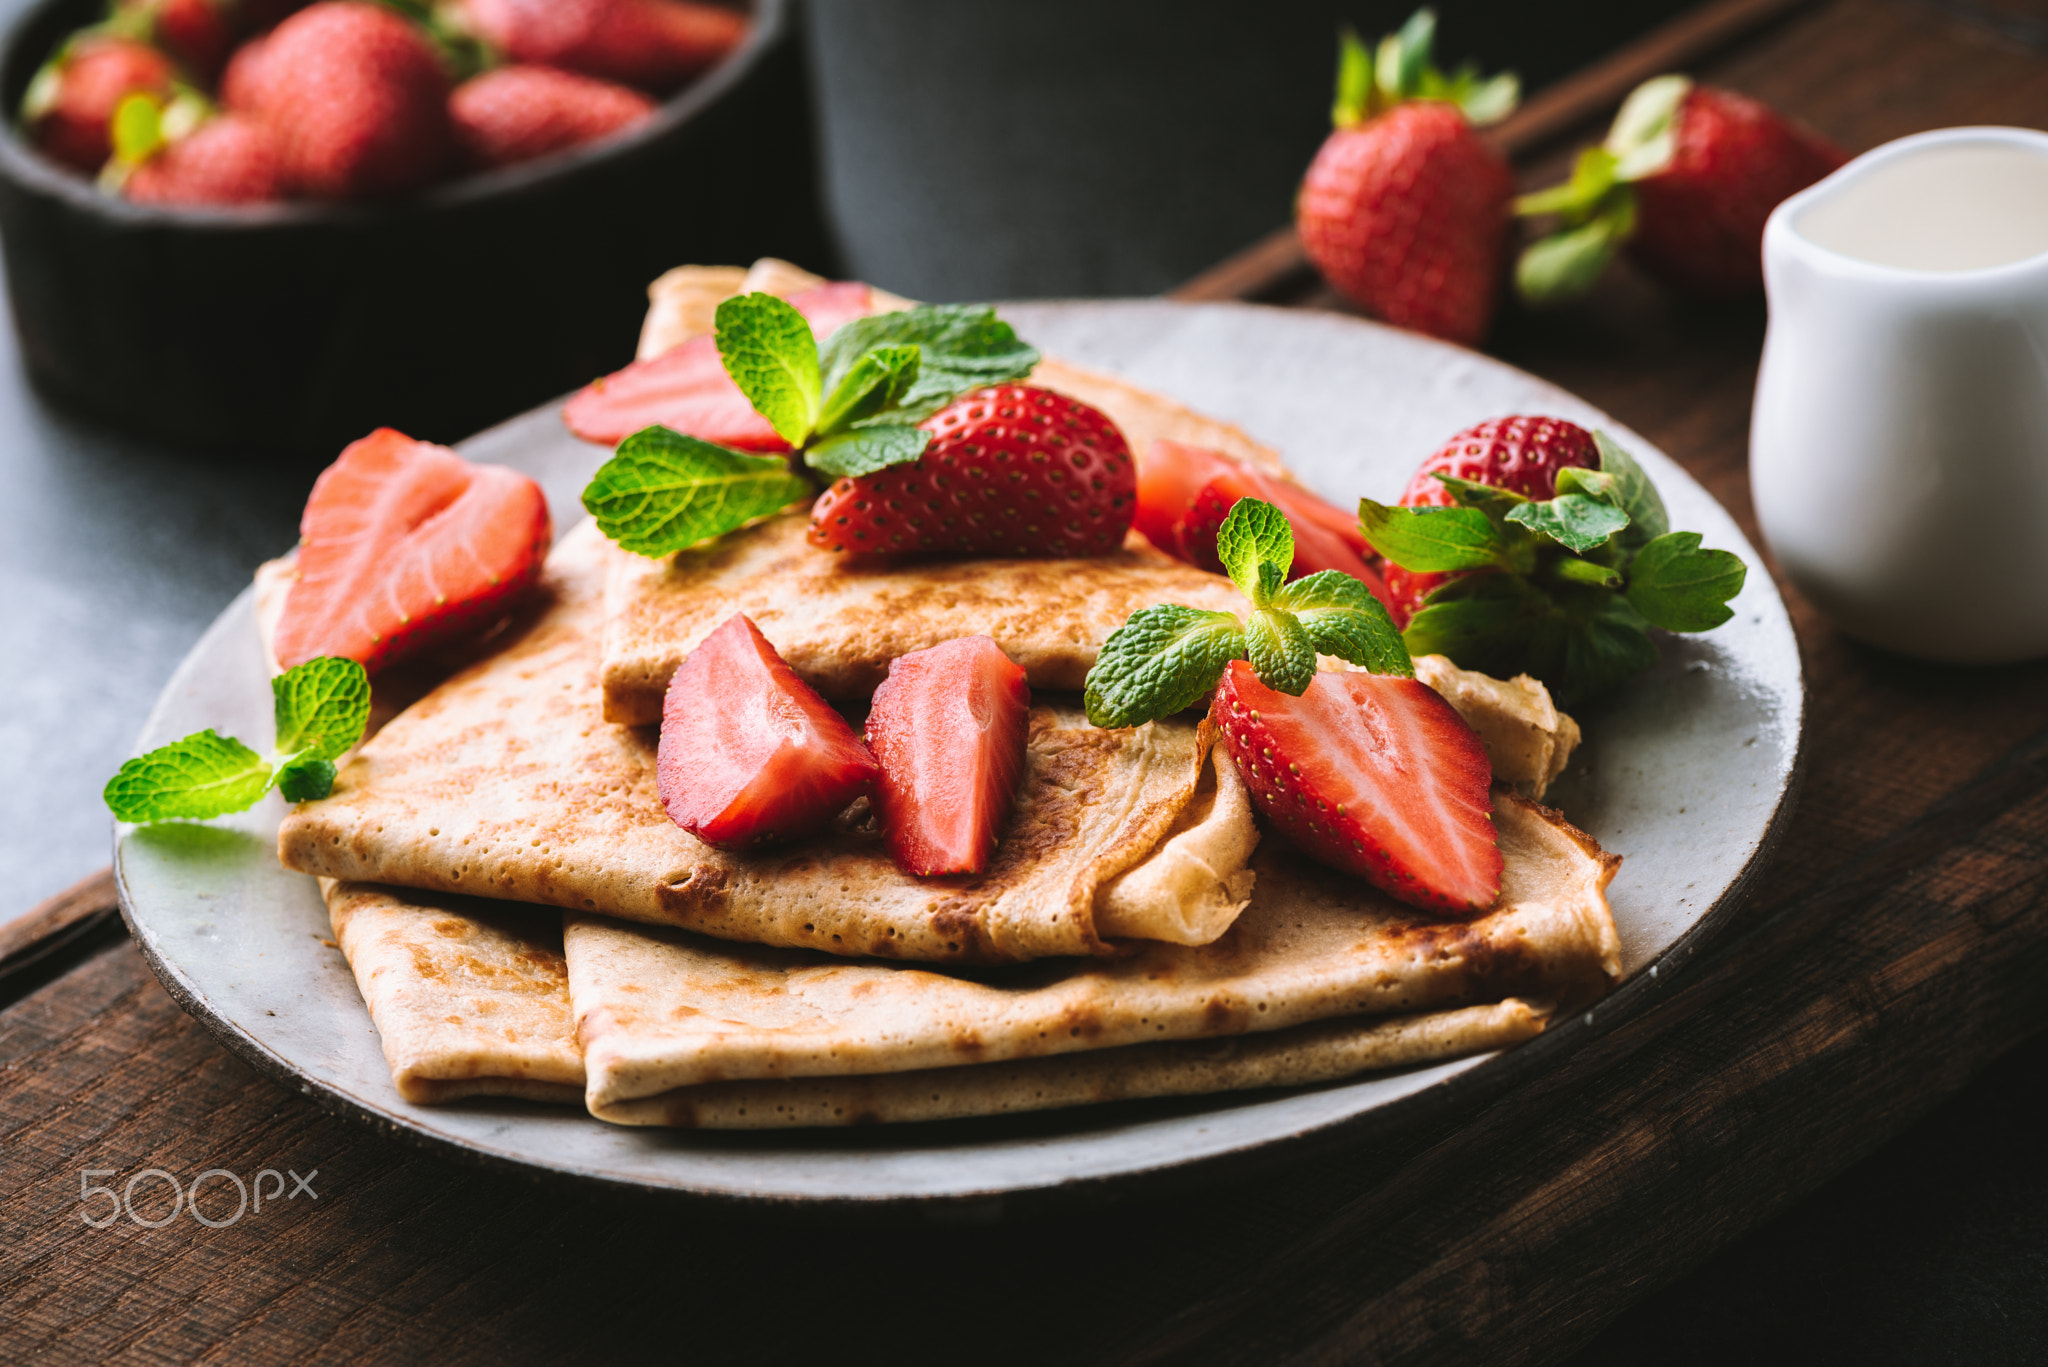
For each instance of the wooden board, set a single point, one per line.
(1894, 947)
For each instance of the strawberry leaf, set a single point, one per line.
(1354, 81)
(1342, 618)
(1474, 495)
(201, 776)
(1574, 521)
(767, 348)
(1632, 492)
(1565, 264)
(321, 708)
(1256, 545)
(663, 491)
(1591, 642)
(1280, 651)
(877, 381)
(1433, 539)
(1676, 585)
(1644, 135)
(961, 346)
(1164, 660)
(867, 448)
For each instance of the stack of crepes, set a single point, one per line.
(524, 920)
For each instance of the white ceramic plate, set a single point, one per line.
(1685, 773)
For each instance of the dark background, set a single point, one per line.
(983, 150)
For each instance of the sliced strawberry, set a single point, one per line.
(687, 390)
(1184, 493)
(948, 728)
(405, 544)
(1012, 470)
(1371, 774)
(749, 753)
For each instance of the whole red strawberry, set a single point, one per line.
(70, 103)
(1372, 774)
(517, 113)
(359, 98)
(1405, 209)
(199, 33)
(1011, 471)
(1519, 454)
(654, 45)
(1685, 180)
(232, 159)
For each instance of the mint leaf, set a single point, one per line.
(1280, 651)
(1633, 493)
(875, 382)
(1164, 660)
(1256, 545)
(664, 491)
(322, 708)
(192, 779)
(768, 349)
(306, 780)
(865, 449)
(1573, 521)
(1676, 585)
(1432, 539)
(1343, 619)
(963, 346)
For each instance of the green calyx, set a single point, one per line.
(847, 409)
(1595, 211)
(1564, 589)
(1371, 81)
(1167, 658)
(320, 708)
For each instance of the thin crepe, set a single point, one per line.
(507, 782)
(656, 1011)
(840, 624)
(418, 958)
(839, 627)
(470, 998)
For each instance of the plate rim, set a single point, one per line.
(1487, 1077)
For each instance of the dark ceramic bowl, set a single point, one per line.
(299, 327)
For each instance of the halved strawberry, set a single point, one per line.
(1184, 493)
(1372, 774)
(948, 728)
(1012, 470)
(1520, 454)
(405, 544)
(687, 390)
(749, 753)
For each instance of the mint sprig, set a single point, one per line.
(664, 491)
(848, 409)
(320, 708)
(1166, 658)
(1565, 589)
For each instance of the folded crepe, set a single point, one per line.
(507, 782)
(470, 998)
(839, 624)
(656, 1011)
(779, 1038)
(684, 303)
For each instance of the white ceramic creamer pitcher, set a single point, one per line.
(1899, 448)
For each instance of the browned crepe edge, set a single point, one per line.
(1303, 1056)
